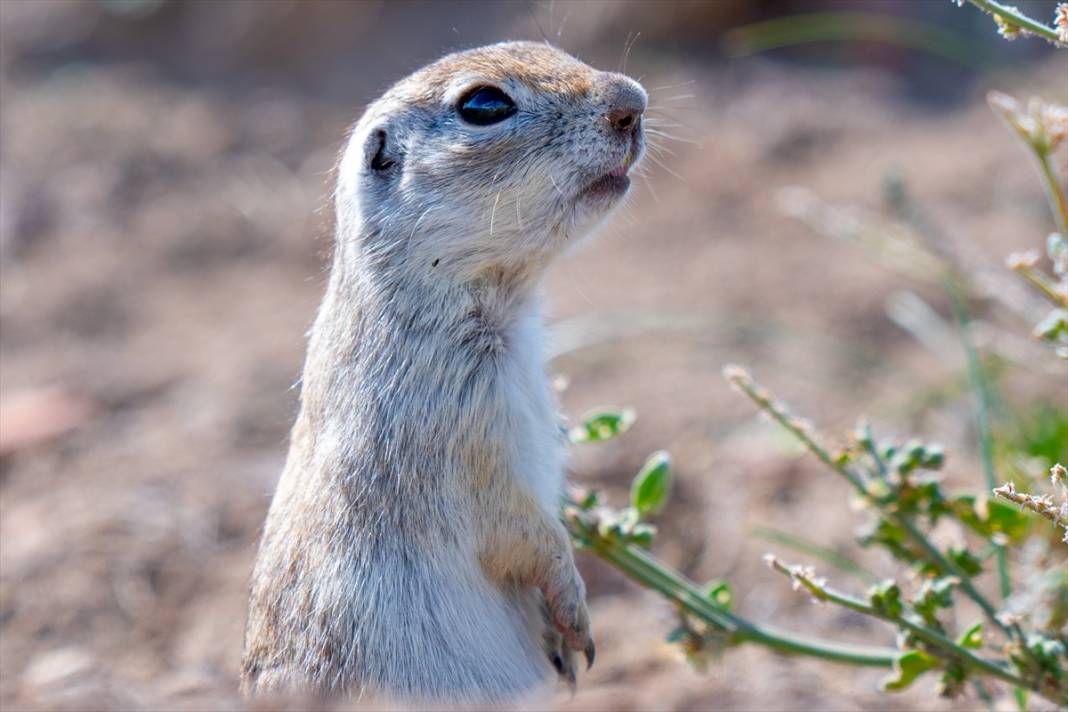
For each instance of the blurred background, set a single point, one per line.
(163, 246)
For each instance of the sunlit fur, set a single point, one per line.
(413, 548)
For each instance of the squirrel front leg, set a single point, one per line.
(522, 543)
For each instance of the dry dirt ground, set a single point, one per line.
(162, 256)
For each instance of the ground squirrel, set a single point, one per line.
(413, 549)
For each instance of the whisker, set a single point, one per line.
(553, 181)
(648, 184)
(662, 112)
(659, 149)
(560, 30)
(673, 137)
(623, 55)
(664, 166)
(626, 50)
(408, 246)
(673, 86)
(678, 107)
(534, 17)
(493, 212)
(655, 123)
(653, 126)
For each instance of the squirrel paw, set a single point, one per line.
(567, 613)
(556, 650)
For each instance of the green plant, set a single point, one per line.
(905, 499)
(1019, 637)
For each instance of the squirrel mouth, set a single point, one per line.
(613, 184)
(616, 182)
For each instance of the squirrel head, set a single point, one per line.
(489, 160)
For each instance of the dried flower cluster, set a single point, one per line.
(1041, 124)
(1043, 505)
(1060, 21)
(1006, 27)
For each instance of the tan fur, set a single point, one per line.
(413, 548)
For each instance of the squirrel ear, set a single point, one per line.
(381, 156)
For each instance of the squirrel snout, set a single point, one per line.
(626, 103)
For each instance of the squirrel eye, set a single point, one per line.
(485, 106)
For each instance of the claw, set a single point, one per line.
(562, 663)
(591, 652)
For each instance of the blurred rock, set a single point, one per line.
(58, 669)
(32, 417)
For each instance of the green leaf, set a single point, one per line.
(590, 500)
(603, 425)
(934, 594)
(952, 683)
(1053, 325)
(677, 635)
(719, 592)
(884, 533)
(626, 521)
(651, 486)
(608, 525)
(972, 638)
(934, 457)
(643, 535)
(987, 517)
(907, 667)
(885, 597)
(968, 563)
(1021, 695)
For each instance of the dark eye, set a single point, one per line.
(485, 106)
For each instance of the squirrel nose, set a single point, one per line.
(624, 120)
(626, 104)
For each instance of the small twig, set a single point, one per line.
(649, 572)
(819, 589)
(744, 382)
(1023, 264)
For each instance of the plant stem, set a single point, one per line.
(1042, 283)
(758, 395)
(1015, 17)
(829, 556)
(981, 391)
(648, 572)
(976, 378)
(1058, 203)
(927, 635)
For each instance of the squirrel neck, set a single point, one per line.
(377, 311)
(398, 288)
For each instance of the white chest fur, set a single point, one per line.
(536, 445)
